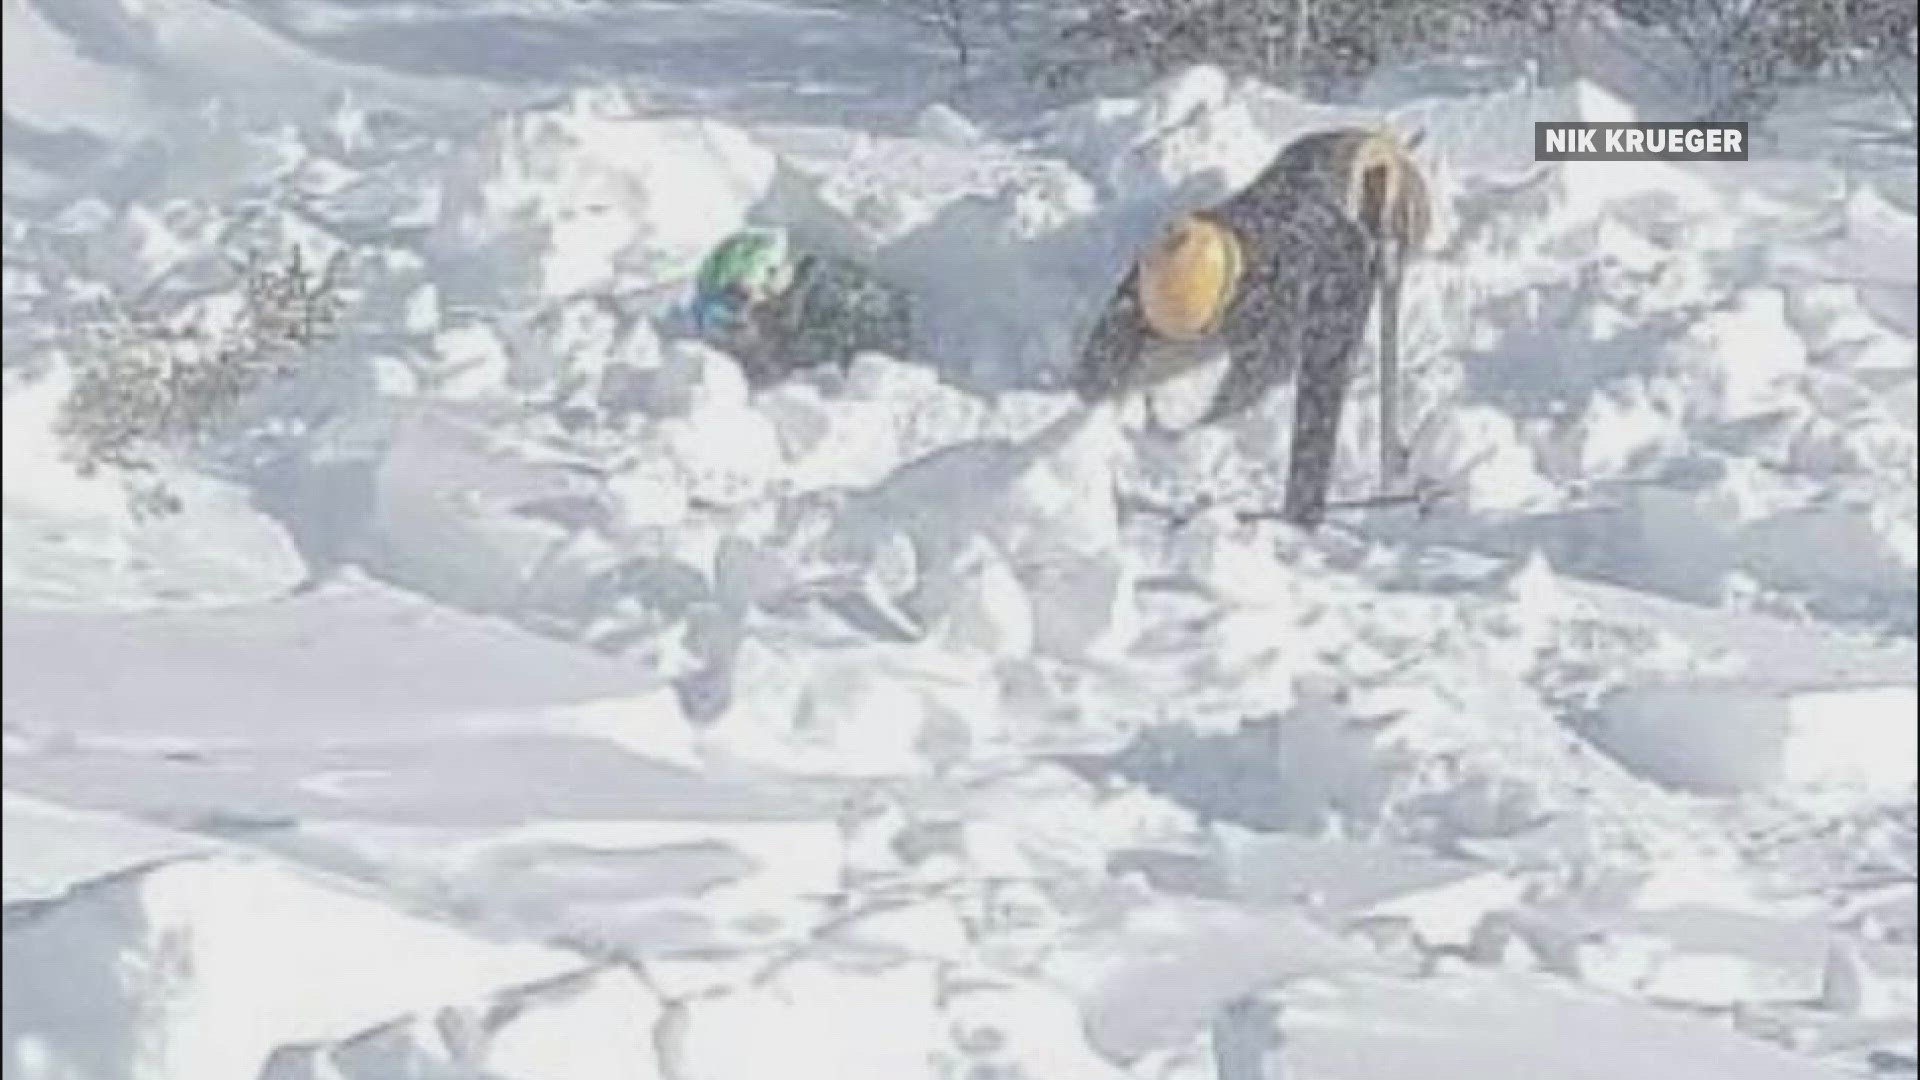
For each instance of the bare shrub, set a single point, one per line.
(1741, 53)
(144, 384)
(1313, 45)
(962, 25)
(1738, 54)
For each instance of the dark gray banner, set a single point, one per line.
(1581, 140)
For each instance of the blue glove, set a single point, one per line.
(719, 312)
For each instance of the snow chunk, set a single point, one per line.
(1476, 452)
(1740, 358)
(1622, 428)
(930, 929)
(450, 506)
(1828, 313)
(593, 1025)
(812, 1017)
(70, 540)
(943, 123)
(649, 493)
(201, 967)
(1408, 1030)
(871, 718)
(51, 848)
(839, 442)
(1205, 139)
(1046, 503)
(1021, 1029)
(858, 711)
(1704, 956)
(1228, 557)
(729, 454)
(1851, 985)
(1180, 96)
(558, 202)
(693, 378)
(1083, 608)
(999, 277)
(1795, 548)
(571, 343)
(1444, 899)
(470, 363)
(979, 606)
(1819, 744)
(1152, 974)
(1654, 187)
(137, 249)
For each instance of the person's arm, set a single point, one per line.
(1109, 361)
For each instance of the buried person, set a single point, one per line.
(778, 311)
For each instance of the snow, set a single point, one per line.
(177, 969)
(54, 848)
(559, 202)
(595, 1025)
(1797, 743)
(811, 1018)
(1387, 1031)
(539, 700)
(70, 539)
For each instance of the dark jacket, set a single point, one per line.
(1311, 274)
(835, 309)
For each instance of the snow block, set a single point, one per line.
(1021, 1029)
(811, 1017)
(559, 202)
(455, 512)
(71, 542)
(202, 967)
(1486, 1024)
(1356, 884)
(1742, 358)
(1814, 743)
(593, 1025)
(51, 848)
(1798, 549)
(1155, 974)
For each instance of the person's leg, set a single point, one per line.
(1328, 339)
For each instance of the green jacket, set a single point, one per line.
(835, 309)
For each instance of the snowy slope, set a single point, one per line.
(855, 727)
